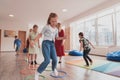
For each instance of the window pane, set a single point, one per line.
(109, 11)
(105, 33)
(117, 8)
(118, 28)
(90, 31)
(75, 29)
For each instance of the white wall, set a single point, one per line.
(7, 42)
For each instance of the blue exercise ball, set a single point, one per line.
(25, 50)
(114, 56)
(75, 53)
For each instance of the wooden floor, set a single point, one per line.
(16, 68)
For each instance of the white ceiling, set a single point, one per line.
(28, 12)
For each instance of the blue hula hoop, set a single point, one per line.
(65, 74)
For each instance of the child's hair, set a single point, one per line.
(52, 15)
(81, 34)
(59, 24)
(34, 26)
(30, 30)
(15, 36)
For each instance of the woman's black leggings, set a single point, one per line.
(86, 57)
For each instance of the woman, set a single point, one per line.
(84, 45)
(59, 44)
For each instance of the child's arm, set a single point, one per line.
(38, 44)
(91, 44)
(81, 46)
(32, 43)
(63, 34)
(38, 36)
(63, 41)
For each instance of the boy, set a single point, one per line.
(17, 42)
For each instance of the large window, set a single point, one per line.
(102, 29)
(105, 31)
(75, 29)
(90, 31)
(118, 28)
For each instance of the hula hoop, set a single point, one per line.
(32, 77)
(65, 74)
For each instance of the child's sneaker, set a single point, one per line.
(37, 75)
(55, 72)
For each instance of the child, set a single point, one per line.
(59, 44)
(84, 44)
(33, 50)
(50, 33)
(17, 42)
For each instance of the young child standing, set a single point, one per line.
(50, 33)
(33, 50)
(84, 45)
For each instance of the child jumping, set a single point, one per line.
(84, 45)
(50, 33)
